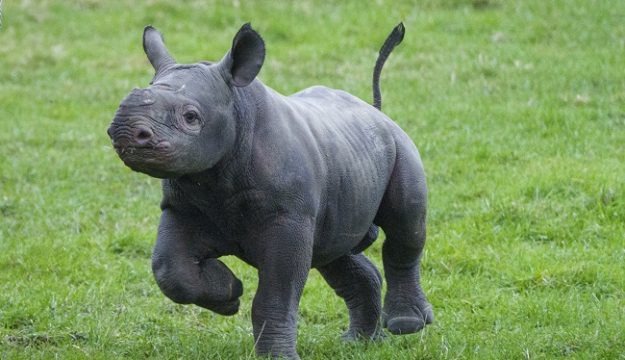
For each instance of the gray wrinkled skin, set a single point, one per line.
(285, 183)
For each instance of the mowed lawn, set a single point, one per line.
(517, 107)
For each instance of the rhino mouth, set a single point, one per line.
(131, 149)
(150, 159)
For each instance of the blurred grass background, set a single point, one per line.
(518, 108)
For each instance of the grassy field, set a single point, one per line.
(518, 108)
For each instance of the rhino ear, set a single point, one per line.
(244, 60)
(154, 47)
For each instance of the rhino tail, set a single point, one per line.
(394, 39)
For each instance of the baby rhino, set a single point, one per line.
(285, 183)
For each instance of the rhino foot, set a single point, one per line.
(407, 317)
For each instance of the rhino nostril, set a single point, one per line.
(142, 135)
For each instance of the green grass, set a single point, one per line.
(518, 108)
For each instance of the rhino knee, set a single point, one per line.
(170, 282)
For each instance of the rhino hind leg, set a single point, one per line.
(355, 279)
(402, 215)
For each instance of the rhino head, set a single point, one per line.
(185, 121)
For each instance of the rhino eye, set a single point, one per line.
(191, 117)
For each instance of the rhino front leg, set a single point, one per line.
(355, 279)
(185, 265)
(285, 255)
